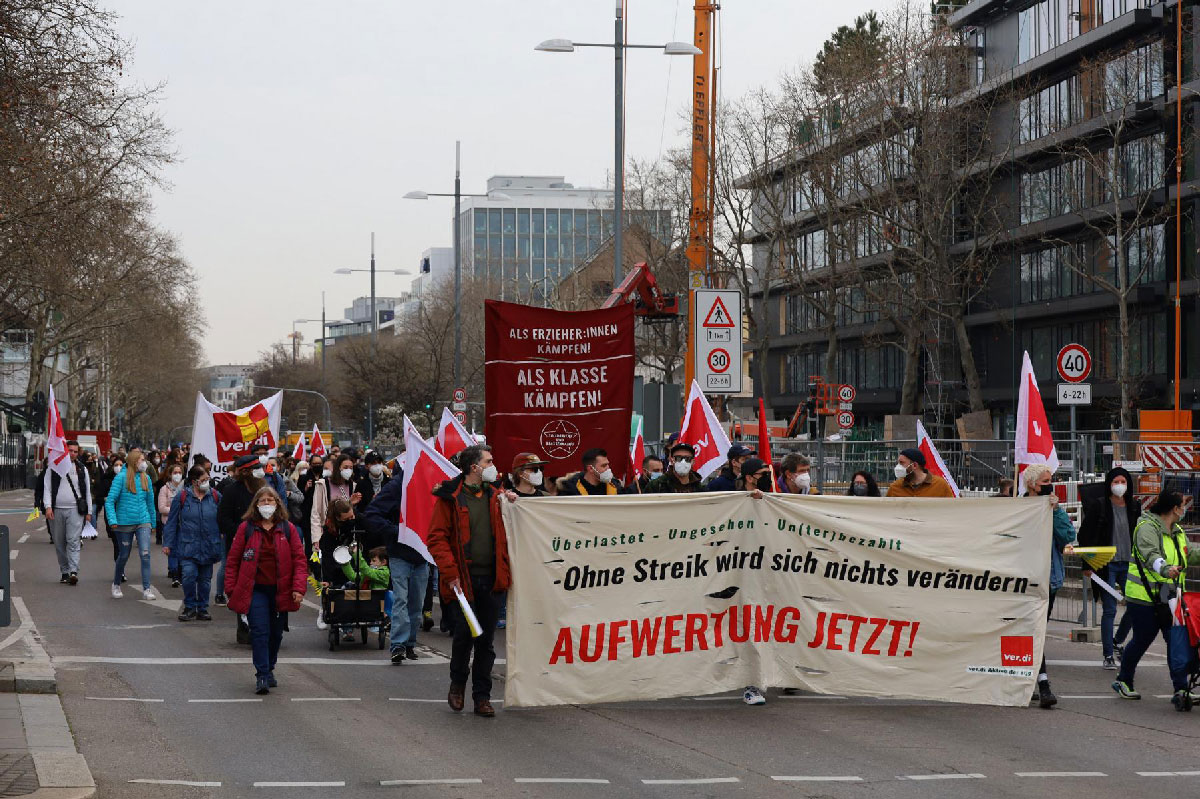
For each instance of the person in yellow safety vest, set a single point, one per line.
(1156, 576)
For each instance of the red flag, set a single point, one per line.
(243, 428)
(298, 452)
(424, 468)
(637, 453)
(452, 437)
(933, 459)
(316, 445)
(1034, 442)
(56, 440)
(704, 433)
(764, 435)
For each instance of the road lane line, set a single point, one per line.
(1061, 774)
(121, 699)
(23, 539)
(326, 699)
(811, 696)
(561, 780)
(1088, 696)
(700, 781)
(23, 628)
(923, 777)
(338, 784)
(12, 554)
(1168, 773)
(222, 701)
(818, 779)
(189, 783)
(448, 781)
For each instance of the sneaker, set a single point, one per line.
(1182, 701)
(148, 595)
(203, 615)
(175, 583)
(73, 578)
(397, 657)
(1125, 690)
(753, 696)
(1109, 664)
(271, 681)
(410, 652)
(427, 620)
(187, 614)
(63, 578)
(321, 625)
(116, 592)
(261, 686)
(219, 599)
(1046, 697)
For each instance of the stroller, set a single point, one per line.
(354, 607)
(1187, 611)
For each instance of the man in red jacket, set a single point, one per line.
(467, 540)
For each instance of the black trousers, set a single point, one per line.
(487, 610)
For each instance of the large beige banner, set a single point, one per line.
(645, 597)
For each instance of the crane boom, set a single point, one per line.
(699, 245)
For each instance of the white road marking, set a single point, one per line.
(232, 661)
(561, 780)
(1087, 696)
(469, 781)
(23, 539)
(12, 576)
(121, 699)
(222, 701)
(338, 784)
(1168, 773)
(701, 781)
(1061, 774)
(25, 626)
(435, 701)
(189, 783)
(813, 696)
(1089, 663)
(818, 779)
(12, 554)
(923, 777)
(714, 698)
(326, 699)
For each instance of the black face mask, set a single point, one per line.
(859, 489)
(1046, 490)
(346, 528)
(764, 483)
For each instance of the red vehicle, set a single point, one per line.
(97, 442)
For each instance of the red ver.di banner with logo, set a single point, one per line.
(558, 383)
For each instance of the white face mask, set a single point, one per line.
(534, 477)
(346, 473)
(653, 475)
(376, 469)
(266, 511)
(327, 473)
(262, 459)
(303, 468)
(202, 487)
(1119, 489)
(899, 471)
(489, 474)
(177, 478)
(683, 467)
(142, 466)
(259, 473)
(605, 476)
(802, 481)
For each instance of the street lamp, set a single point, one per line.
(457, 194)
(374, 327)
(619, 46)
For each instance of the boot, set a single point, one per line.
(1046, 697)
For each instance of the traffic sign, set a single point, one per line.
(459, 401)
(1074, 363)
(461, 417)
(718, 336)
(846, 393)
(845, 419)
(1074, 394)
(460, 395)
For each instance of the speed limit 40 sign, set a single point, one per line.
(1074, 363)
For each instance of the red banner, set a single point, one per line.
(558, 383)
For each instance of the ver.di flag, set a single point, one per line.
(224, 436)
(424, 467)
(58, 459)
(637, 453)
(1034, 442)
(933, 458)
(704, 433)
(452, 437)
(298, 452)
(316, 445)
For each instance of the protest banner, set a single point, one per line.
(646, 597)
(224, 436)
(558, 383)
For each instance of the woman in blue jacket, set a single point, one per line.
(191, 534)
(129, 509)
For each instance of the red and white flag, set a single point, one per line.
(452, 437)
(316, 445)
(424, 467)
(933, 458)
(704, 433)
(1034, 443)
(56, 441)
(298, 452)
(637, 453)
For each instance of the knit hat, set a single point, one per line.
(914, 455)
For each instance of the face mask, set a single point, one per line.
(143, 466)
(802, 481)
(117, 469)
(534, 477)
(177, 478)
(202, 487)
(376, 469)
(682, 468)
(605, 476)
(1046, 490)
(327, 473)
(489, 474)
(899, 471)
(859, 489)
(346, 526)
(262, 459)
(653, 475)
(303, 468)
(346, 473)
(266, 511)
(1119, 489)
(258, 473)
(764, 482)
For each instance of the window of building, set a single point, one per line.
(566, 226)
(493, 221)
(523, 221)
(480, 222)
(551, 222)
(1134, 76)
(510, 220)
(539, 221)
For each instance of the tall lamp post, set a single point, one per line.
(619, 46)
(374, 328)
(457, 194)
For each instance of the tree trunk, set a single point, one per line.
(1123, 378)
(912, 364)
(967, 358)
(831, 347)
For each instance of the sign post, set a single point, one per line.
(1074, 365)
(459, 402)
(718, 336)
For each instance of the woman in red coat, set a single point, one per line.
(266, 576)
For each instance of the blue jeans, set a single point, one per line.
(197, 583)
(125, 545)
(408, 597)
(266, 629)
(389, 601)
(1148, 622)
(1117, 572)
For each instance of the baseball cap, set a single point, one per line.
(739, 450)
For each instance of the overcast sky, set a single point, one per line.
(301, 124)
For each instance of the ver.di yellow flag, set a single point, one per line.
(33, 516)
(1096, 557)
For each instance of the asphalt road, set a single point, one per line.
(155, 703)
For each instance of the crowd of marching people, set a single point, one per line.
(257, 539)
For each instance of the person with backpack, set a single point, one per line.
(130, 510)
(66, 501)
(266, 578)
(192, 536)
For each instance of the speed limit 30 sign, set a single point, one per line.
(1074, 363)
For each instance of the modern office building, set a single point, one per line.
(539, 230)
(436, 266)
(1081, 115)
(227, 388)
